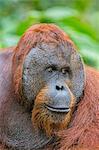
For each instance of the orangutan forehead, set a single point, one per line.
(52, 53)
(59, 49)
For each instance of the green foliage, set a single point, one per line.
(75, 19)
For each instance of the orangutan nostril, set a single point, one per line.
(59, 87)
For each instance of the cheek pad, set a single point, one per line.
(31, 76)
(78, 75)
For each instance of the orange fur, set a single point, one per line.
(83, 133)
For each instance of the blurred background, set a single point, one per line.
(78, 18)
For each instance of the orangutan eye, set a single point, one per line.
(51, 69)
(65, 70)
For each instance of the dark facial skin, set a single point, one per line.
(47, 66)
(56, 68)
(52, 66)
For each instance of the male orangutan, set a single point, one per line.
(47, 97)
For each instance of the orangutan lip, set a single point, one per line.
(56, 109)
